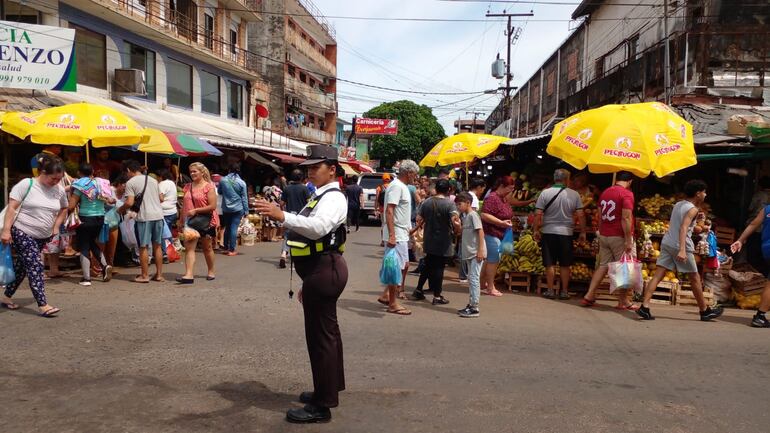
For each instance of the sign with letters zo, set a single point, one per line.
(37, 57)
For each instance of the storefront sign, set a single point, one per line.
(366, 126)
(37, 57)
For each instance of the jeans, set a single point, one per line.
(474, 282)
(170, 221)
(354, 214)
(230, 223)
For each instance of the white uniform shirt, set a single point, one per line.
(330, 213)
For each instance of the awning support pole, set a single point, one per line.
(5, 170)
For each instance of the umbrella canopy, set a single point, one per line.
(75, 125)
(640, 138)
(461, 148)
(195, 146)
(157, 141)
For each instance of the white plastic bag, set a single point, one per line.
(127, 233)
(626, 274)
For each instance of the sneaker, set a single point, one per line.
(760, 321)
(463, 280)
(418, 295)
(549, 294)
(564, 296)
(711, 313)
(282, 263)
(463, 309)
(440, 300)
(416, 271)
(644, 313)
(107, 273)
(468, 312)
(85, 282)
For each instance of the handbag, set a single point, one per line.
(140, 197)
(200, 222)
(18, 211)
(72, 222)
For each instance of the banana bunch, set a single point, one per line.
(527, 257)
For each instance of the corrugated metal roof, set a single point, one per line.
(711, 119)
(522, 140)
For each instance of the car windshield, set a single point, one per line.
(370, 182)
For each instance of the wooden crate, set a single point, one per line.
(665, 293)
(519, 280)
(684, 296)
(725, 235)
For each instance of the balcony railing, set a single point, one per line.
(311, 134)
(185, 27)
(315, 97)
(294, 38)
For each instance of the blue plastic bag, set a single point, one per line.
(104, 234)
(390, 272)
(506, 245)
(112, 218)
(7, 274)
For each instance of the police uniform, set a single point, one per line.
(316, 241)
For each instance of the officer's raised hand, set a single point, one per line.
(269, 210)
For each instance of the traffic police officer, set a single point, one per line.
(316, 240)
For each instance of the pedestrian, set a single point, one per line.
(87, 196)
(496, 217)
(294, 198)
(235, 205)
(119, 192)
(168, 164)
(355, 195)
(440, 222)
(397, 218)
(476, 189)
(473, 251)
(143, 197)
(317, 238)
(168, 201)
(199, 206)
(762, 219)
(379, 201)
(616, 236)
(555, 225)
(36, 210)
(677, 251)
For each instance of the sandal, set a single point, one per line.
(587, 303)
(402, 296)
(210, 278)
(159, 279)
(629, 307)
(182, 280)
(403, 311)
(9, 305)
(383, 301)
(51, 312)
(141, 280)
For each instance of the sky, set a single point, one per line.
(437, 56)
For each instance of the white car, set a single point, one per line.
(369, 183)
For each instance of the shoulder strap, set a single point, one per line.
(553, 199)
(21, 203)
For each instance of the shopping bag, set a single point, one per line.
(112, 218)
(72, 222)
(506, 245)
(626, 274)
(104, 234)
(127, 233)
(7, 274)
(166, 231)
(171, 252)
(390, 272)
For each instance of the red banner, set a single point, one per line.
(366, 126)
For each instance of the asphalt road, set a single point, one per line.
(229, 356)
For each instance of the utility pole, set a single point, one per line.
(475, 116)
(667, 53)
(509, 33)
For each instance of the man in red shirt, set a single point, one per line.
(616, 235)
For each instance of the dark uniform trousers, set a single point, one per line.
(323, 279)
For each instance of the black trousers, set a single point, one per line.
(433, 271)
(354, 216)
(323, 279)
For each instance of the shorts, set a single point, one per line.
(557, 249)
(150, 232)
(667, 259)
(611, 249)
(402, 252)
(493, 249)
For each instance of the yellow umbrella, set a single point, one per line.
(460, 148)
(75, 125)
(640, 138)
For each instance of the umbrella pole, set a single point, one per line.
(5, 170)
(88, 154)
(614, 175)
(466, 175)
(145, 159)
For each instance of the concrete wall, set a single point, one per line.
(266, 38)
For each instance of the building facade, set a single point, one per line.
(718, 53)
(298, 59)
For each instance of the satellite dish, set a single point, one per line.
(262, 111)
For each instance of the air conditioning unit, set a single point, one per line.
(288, 57)
(267, 124)
(129, 82)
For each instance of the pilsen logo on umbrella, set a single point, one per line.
(457, 146)
(622, 149)
(664, 145)
(109, 124)
(567, 123)
(580, 140)
(66, 121)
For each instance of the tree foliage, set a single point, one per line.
(418, 132)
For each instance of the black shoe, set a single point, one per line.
(416, 271)
(282, 263)
(711, 313)
(644, 313)
(418, 295)
(760, 321)
(165, 261)
(564, 296)
(306, 397)
(469, 312)
(309, 414)
(440, 300)
(549, 294)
